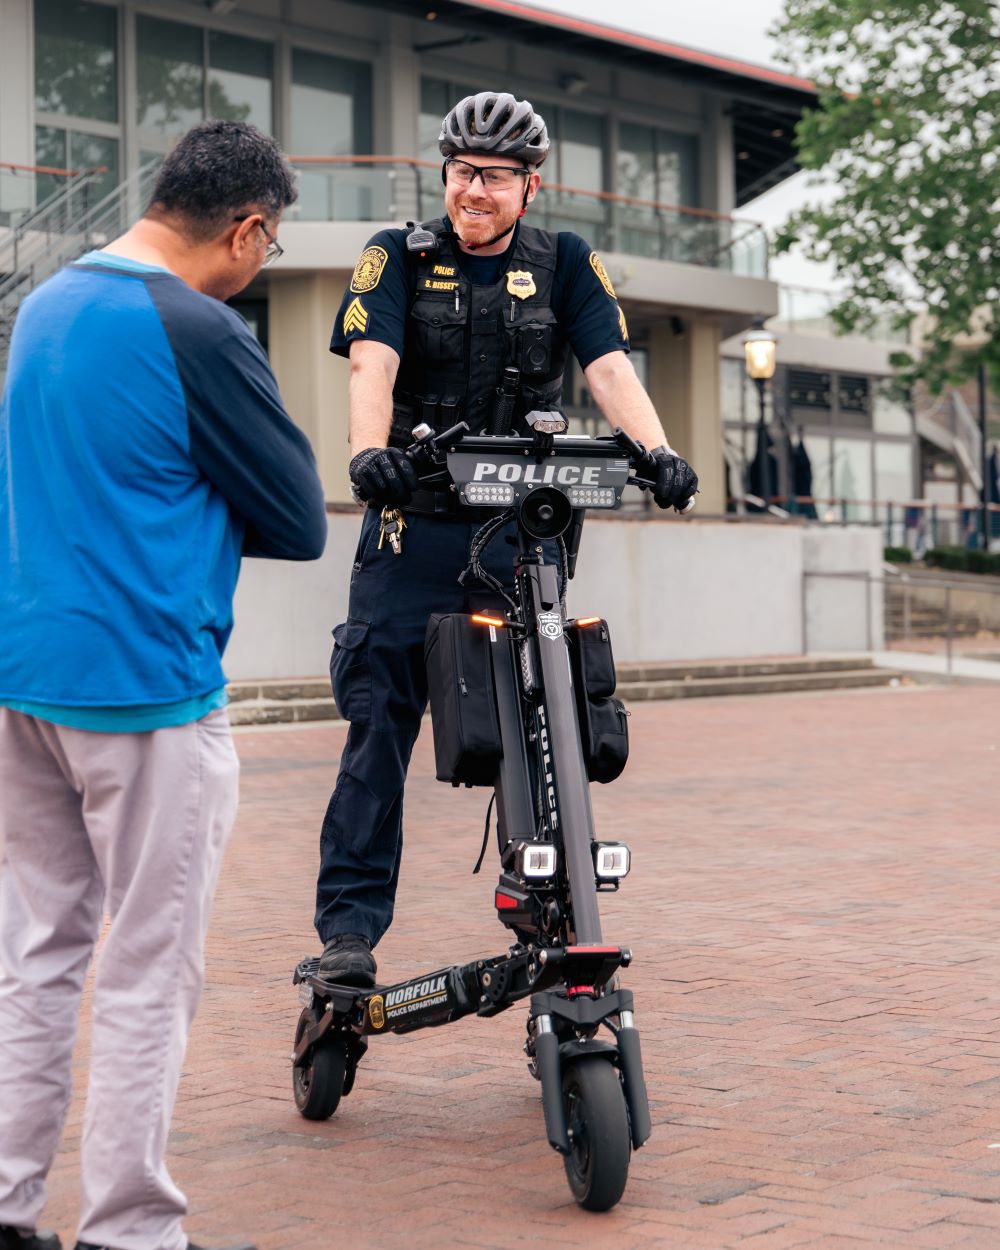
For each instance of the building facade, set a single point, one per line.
(654, 146)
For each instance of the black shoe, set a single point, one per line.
(23, 1239)
(348, 959)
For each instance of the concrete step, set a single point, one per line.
(309, 699)
(773, 683)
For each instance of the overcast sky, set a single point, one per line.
(735, 28)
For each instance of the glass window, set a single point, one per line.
(332, 116)
(88, 152)
(170, 75)
(580, 138)
(732, 377)
(893, 471)
(240, 78)
(76, 59)
(50, 150)
(331, 105)
(818, 451)
(657, 165)
(852, 476)
(62, 149)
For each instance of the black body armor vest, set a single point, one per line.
(460, 338)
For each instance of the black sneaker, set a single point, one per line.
(347, 959)
(25, 1239)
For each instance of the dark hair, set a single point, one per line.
(218, 170)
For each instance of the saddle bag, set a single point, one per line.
(467, 746)
(603, 718)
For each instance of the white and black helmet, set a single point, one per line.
(494, 122)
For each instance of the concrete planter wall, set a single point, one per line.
(669, 589)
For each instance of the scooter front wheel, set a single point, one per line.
(600, 1146)
(319, 1083)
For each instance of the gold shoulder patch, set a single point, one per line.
(355, 318)
(368, 270)
(598, 267)
(622, 323)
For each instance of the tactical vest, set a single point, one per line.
(460, 337)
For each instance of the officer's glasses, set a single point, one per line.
(274, 248)
(495, 177)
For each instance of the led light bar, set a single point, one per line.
(592, 496)
(535, 860)
(612, 860)
(488, 492)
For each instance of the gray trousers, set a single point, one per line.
(133, 825)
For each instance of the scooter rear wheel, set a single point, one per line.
(319, 1083)
(600, 1146)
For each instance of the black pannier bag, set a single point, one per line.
(603, 719)
(467, 746)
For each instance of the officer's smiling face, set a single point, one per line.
(479, 213)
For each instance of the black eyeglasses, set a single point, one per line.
(496, 177)
(274, 248)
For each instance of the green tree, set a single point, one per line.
(907, 128)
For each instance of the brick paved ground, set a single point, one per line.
(814, 915)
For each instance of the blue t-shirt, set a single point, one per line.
(583, 299)
(143, 449)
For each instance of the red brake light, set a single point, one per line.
(504, 902)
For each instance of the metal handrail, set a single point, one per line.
(114, 212)
(45, 218)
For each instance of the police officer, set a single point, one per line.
(429, 325)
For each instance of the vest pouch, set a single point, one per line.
(467, 746)
(604, 735)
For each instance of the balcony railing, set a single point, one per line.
(389, 188)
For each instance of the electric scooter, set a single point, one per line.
(522, 700)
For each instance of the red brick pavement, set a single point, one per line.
(813, 909)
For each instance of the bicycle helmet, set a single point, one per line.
(494, 122)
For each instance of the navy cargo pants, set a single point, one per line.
(380, 684)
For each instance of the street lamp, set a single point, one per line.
(760, 350)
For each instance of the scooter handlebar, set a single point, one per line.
(423, 452)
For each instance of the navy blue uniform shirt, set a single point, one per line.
(583, 298)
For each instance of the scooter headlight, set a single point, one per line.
(535, 860)
(612, 860)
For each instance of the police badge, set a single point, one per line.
(520, 283)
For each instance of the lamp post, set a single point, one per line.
(760, 350)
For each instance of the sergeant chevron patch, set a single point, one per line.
(355, 318)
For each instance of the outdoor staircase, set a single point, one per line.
(274, 702)
(59, 231)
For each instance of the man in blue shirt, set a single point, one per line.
(429, 322)
(144, 450)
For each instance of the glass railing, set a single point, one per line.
(386, 188)
(806, 310)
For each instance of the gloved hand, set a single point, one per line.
(383, 475)
(676, 481)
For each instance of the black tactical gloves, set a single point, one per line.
(383, 475)
(676, 481)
